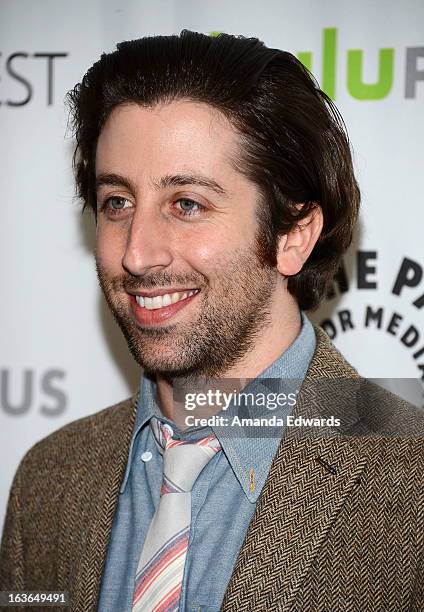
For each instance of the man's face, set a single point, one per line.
(175, 217)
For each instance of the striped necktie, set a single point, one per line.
(160, 569)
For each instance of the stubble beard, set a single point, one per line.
(232, 314)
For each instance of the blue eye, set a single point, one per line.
(113, 206)
(186, 207)
(117, 202)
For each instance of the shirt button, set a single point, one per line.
(169, 429)
(146, 456)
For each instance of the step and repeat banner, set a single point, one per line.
(62, 357)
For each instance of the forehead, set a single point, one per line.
(182, 135)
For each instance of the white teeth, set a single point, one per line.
(160, 301)
(166, 299)
(157, 302)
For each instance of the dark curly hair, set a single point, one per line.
(294, 143)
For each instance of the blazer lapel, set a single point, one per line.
(90, 506)
(313, 472)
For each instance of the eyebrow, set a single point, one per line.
(180, 180)
(169, 180)
(115, 180)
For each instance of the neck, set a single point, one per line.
(274, 340)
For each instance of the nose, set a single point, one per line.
(148, 244)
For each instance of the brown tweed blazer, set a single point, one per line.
(339, 525)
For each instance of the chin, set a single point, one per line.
(171, 364)
(157, 360)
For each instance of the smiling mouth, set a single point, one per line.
(162, 301)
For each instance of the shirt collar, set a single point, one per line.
(250, 457)
(146, 409)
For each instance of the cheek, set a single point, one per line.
(110, 247)
(221, 244)
(204, 251)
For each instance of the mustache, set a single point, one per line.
(152, 281)
(157, 282)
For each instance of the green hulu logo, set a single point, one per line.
(356, 86)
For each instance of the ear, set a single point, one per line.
(295, 247)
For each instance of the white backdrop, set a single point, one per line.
(61, 355)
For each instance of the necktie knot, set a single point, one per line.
(183, 460)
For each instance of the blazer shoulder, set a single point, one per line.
(358, 399)
(327, 361)
(389, 415)
(87, 435)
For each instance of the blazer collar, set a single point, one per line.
(312, 474)
(90, 505)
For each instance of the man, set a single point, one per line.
(224, 194)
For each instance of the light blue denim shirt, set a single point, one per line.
(223, 499)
